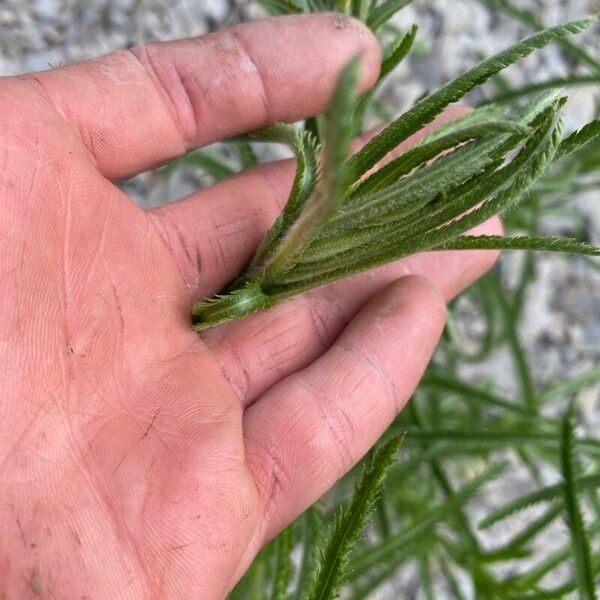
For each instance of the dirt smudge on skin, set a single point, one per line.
(340, 22)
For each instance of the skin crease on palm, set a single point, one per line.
(139, 459)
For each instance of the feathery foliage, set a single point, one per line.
(336, 223)
(579, 539)
(349, 522)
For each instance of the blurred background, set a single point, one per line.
(531, 329)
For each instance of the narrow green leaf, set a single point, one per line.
(418, 240)
(361, 9)
(452, 582)
(399, 52)
(549, 84)
(334, 176)
(414, 157)
(514, 547)
(545, 494)
(518, 355)
(305, 149)
(579, 539)
(502, 185)
(450, 384)
(397, 55)
(280, 7)
(365, 589)
(572, 386)
(319, 5)
(530, 579)
(313, 538)
(578, 139)
(545, 244)
(381, 14)
(255, 582)
(426, 110)
(373, 556)
(482, 114)
(245, 154)
(425, 576)
(502, 439)
(283, 564)
(210, 162)
(557, 593)
(344, 6)
(349, 523)
(406, 196)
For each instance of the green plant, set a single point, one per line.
(462, 437)
(340, 220)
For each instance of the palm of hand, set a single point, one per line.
(136, 458)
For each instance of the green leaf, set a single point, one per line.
(545, 494)
(529, 18)
(564, 389)
(514, 547)
(399, 52)
(482, 114)
(507, 185)
(245, 154)
(305, 149)
(280, 7)
(426, 110)
(381, 14)
(502, 439)
(535, 158)
(255, 582)
(319, 5)
(447, 383)
(405, 197)
(210, 162)
(557, 593)
(397, 55)
(579, 539)
(530, 579)
(334, 176)
(377, 556)
(549, 84)
(579, 139)
(452, 582)
(361, 9)
(283, 564)
(344, 6)
(349, 523)
(423, 153)
(545, 244)
(509, 316)
(313, 537)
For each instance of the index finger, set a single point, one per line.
(135, 109)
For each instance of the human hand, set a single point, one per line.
(137, 458)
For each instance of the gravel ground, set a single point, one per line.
(562, 324)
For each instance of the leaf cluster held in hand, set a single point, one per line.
(341, 218)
